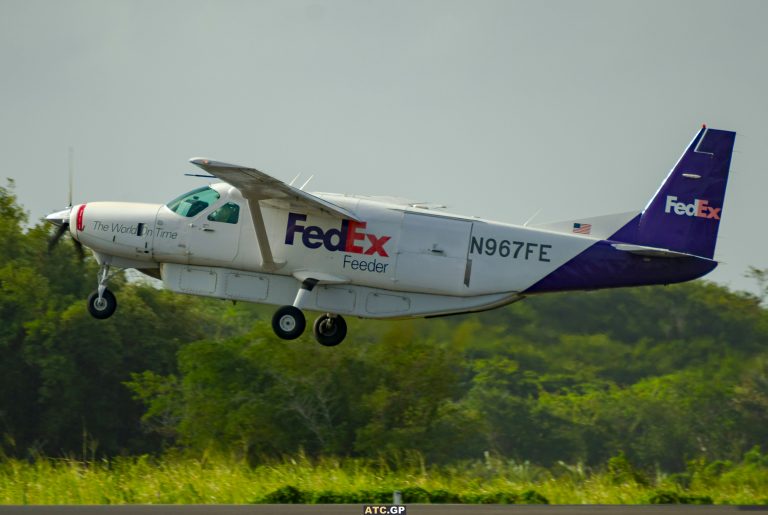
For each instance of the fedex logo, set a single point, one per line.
(700, 208)
(350, 237)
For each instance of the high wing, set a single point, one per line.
(258, 187)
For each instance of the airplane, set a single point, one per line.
(255, 238)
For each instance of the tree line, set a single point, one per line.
(664, 375)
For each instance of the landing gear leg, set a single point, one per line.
(289, 322)
(102, 303)
(330, 329)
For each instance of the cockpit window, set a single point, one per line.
(228, 214)
(193, 202)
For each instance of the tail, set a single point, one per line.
(684, 214)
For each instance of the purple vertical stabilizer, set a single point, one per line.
(685, 213)
(683, 216)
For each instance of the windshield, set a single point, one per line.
(193, 202)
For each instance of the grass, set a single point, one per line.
(176, 480)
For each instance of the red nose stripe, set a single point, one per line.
(80, 225)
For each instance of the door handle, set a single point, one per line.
(207, 229)
(437, 250)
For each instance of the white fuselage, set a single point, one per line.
(400, 261)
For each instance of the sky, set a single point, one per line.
(498, 109)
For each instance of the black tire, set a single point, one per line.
(330, 330)
(103, 308)
(288, 322)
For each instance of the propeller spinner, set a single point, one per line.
(61, 220)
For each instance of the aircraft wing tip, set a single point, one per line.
(204, 161)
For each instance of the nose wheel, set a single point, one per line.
(102, 303)
(102, 307)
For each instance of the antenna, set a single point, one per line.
(294, 179)
(71, 175)
(531, 218)
(306, 182)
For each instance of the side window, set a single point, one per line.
(229, 213)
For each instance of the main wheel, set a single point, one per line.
(330, 330)
(288, 322)
(103, 307)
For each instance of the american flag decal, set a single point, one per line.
(582, 228)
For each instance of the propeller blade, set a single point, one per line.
(60, 230)
(71, 175)
(79, 249)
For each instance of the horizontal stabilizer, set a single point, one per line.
(642, 250)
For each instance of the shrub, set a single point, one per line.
(527, 497)
(621, 471)
(285, 495)
(414, 494)
(532, 497)
(669, 497)
(443, 497)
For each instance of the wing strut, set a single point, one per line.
(257, 186)
(268, 261)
